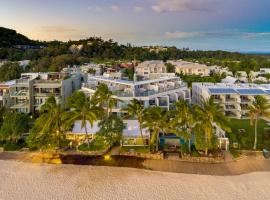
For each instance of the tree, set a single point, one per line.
(82, 108)
(170, 68)
(154, 120)
(258, 109)
(14, 125)
(111, 129)
(49, 127)
(9, 71)
(206, 116)
(135, 109)
(104, 97)
(183, 121)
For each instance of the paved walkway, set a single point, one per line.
(114, 151)
(242, 166)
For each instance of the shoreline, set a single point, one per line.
(243, 166)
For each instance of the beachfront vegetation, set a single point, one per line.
(242, 134)
(208, 115)
(13, 126)
(82, 108)
(258, 109)
(135, 109)
(111, 129)
(98, 144)
(49, 127)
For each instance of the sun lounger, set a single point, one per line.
(266, 154)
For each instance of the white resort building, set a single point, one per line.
(190, 68)
(233, 98)
(162, 91)
(148, 69)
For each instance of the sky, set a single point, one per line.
(233, 25)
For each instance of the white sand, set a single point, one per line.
(25, 181)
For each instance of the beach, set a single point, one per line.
(26, 181)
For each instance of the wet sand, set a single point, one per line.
(26, 181)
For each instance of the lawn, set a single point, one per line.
(246, 138)
(95, 145)
(139, 149)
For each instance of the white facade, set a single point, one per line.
(264, 70)
(190, 68)
(28, 94)
(220, 70)
(233, 98)
(162, 92)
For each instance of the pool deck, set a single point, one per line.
(230, 168)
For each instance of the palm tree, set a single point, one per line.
(104, 97)
(259, 108)
(135, 109)
(208, 115)
(183, 120)
(154, 120)
(82, 109)
(52, 118)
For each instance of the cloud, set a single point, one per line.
(218, 35)
(253, 36)
(115, 8)
(95, 8)
(138, 9)
(184, 5)
(181, 35)
(57, 29)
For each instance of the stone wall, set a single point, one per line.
(202, 159)
(156, 156)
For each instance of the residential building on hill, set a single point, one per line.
(190, 68)
(233, 98)
(145, 69)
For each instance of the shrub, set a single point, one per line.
(9, 146)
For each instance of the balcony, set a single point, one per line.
(21, 93)
(231, 100)
(20, 105)
(46, 94)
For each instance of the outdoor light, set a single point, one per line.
(107, 157)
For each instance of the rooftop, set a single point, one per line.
(242, 89)
(132, 83)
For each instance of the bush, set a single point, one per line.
(96, 145)
(9, 146)
(184, 148)
(195, 154)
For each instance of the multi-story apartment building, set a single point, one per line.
(190, 68)
(28, 93)
(163, 91)
(233, 98)
(148, 68)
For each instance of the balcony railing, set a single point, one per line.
(20, 93)
(42, 94)
(137, 93)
